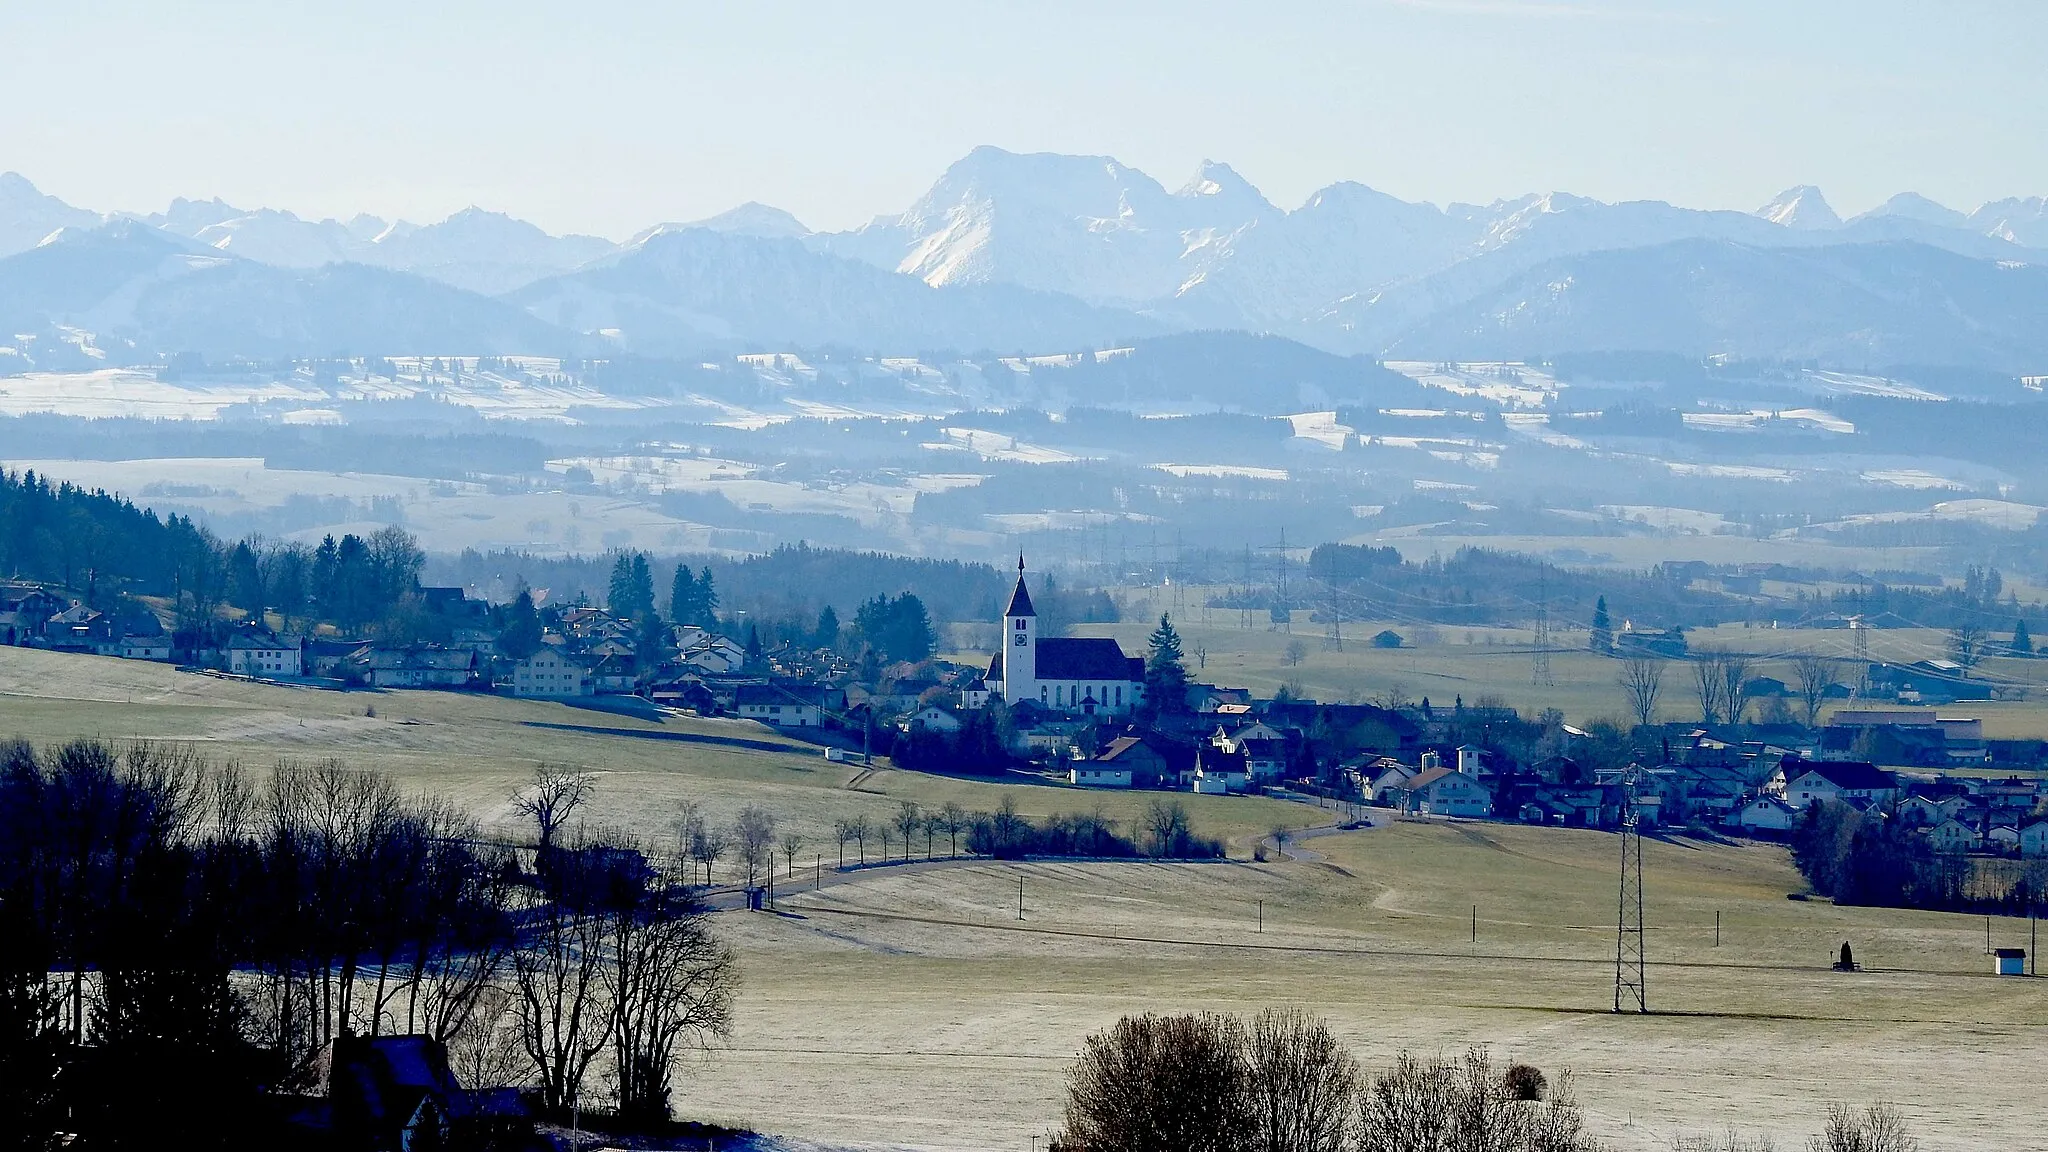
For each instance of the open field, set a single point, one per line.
(1477, 662)
(918, 1009)
(915, 1009)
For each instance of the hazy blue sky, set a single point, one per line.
(606, 115)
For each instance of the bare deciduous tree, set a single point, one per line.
(909, 818)
(668, 981)
(1642, 682)
(554, 796)
(1966, 643)
(1814, 674)
(1734, 669)
(1157, 1082)
(953, 821)
(753, 835)
(1465, 1106)
(1303, 1084)
(1878, 1128)
(792, 843)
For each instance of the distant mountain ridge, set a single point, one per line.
(1016, 252)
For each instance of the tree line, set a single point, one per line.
(179, 939)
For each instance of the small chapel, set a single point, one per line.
(1086, 675)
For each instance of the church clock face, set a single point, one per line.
(1019, 639)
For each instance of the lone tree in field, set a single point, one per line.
(1814, 674)
(1161, 1084)
(909, 818)
(1966, 642)
(1601, 639)
(554, 796)
(1166, 670)
(1642, 682)
(2022, 641)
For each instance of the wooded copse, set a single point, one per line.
(1282, 1082)
(181, 939)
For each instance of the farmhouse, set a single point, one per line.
(1146, 764)
(420, 667)
(1088, 675)
(787, 705)
(258, 653)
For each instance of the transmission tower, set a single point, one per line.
(1244, 615)
(1629, 985)
(1539, 664)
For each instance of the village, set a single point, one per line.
(1083, 712)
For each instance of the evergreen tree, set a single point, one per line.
(641, 581)
(521, 635)
(753, 646)
(682, 596)
(619, 593)
(707, 601)
(2022, 640)
(1166, 672)
(1602, 640)
(827, 635)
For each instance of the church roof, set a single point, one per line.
(1086, 658)
(1020, 600)
(1079, 658)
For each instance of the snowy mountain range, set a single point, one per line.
(1010, 250)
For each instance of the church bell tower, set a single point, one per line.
(1020, 644)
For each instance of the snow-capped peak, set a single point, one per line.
(1800, 207)
(1913, 206)
(753, 218)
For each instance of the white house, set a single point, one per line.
(1765, 814)
(1088, 675)
(933, 718)
(2034, 839)
(784, 705)
(1391, 782)
(254, 653)
(1099, 774)
(1447, 792)
(1811, 780)
(2004, 838)
(551, 673)
(1952, 836)
(146, 647)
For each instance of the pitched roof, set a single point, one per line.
(1020, 600)
(1086, 658)
(1849, 775)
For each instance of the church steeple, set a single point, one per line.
(1020, 599)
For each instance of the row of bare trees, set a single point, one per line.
(178, 936)
(1719, 679)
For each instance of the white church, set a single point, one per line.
(1087, 675)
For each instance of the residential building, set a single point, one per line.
(1953, 836)
(1765, 814)
(788, 705)
(2034, 839)
(933, 718)
(1810, 780)
(1147, 763)
(551, 673)
(1099, 773)
(419, 667)
(1447, 792)
(252, 652)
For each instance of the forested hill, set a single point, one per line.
(92, 541)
